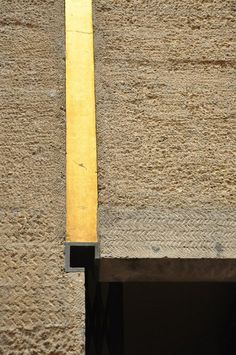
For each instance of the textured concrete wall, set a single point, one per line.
(42, 308)
(165, 72)
(164, 75)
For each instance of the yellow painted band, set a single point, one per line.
(81, 161)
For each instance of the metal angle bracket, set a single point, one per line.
(80, 256)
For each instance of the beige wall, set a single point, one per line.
(164, 90)
(42, 308)
(165, 75)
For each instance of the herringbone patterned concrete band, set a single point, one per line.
(153, 233)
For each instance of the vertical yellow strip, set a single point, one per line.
(81, 165)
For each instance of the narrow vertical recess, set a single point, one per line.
(81, 160)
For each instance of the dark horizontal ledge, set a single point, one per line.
(167, 270)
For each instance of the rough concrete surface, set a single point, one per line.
(165, 72)
(165, 77)
(42, 308)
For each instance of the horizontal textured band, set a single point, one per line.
(179, 233)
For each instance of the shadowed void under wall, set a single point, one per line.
(164, 319)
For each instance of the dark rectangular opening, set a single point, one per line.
(81, 256)
(168, 318)
(179, 318)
